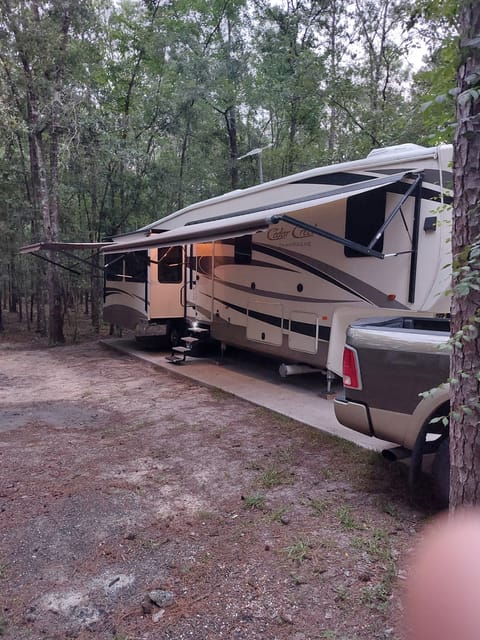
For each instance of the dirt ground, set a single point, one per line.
(135, 505)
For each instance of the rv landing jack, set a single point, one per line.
(329, 394)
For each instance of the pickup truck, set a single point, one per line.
(388, 365)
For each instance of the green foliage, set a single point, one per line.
(435, 84)
(298, 551)
(158, 101)
(253, 502)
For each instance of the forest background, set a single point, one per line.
(114, 114)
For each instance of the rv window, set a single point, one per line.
(114, 267)
(136, 266)
(243, 250)
(170, 264)
(365, 216)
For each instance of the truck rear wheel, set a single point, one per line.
(441, 473)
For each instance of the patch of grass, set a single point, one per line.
(298, 551)
(341, 593)
(274, 477)
(328, 473)
(378, 547)
(3, 570)
(346, 518)
(205, 558)
(318, 507)
(256, 501)
(220, 394)
(284, 456)
(348, 452)
(268, 414)
(277, 515)
(390, 509)
(298, 580)
(376, 596)
(376, 544)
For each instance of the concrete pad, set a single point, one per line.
(256, 379)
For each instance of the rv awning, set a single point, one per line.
(243, 223)
(201, 232)
(63, 246)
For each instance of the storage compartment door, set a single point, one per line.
(303, 335)
(265, 322)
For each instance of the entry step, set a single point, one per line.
(197, 330)
(181, 349)
(189, 340)
(175, 359)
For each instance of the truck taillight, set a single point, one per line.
(351, 371)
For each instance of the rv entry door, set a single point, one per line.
(166, 283)
(199, 285)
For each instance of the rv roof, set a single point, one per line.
(397, 149)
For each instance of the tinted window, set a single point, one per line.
(243, 250)
(170, 264)
(114, 266)
(365, 215)
(136, 266)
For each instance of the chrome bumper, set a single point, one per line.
(352, 415)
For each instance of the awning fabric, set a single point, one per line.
(235, 225)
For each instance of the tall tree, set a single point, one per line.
(38, 36)
(465, 367)
(289, 72)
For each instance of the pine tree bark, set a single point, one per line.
(50, 225)
(465, 363)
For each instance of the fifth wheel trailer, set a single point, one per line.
(283, 267)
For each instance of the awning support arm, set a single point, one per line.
(368, 251)
(57, 264)
(395, 210)
(87, 262)
(414, 256)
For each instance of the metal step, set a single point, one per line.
(197, 330)
(181, 349)
(189, 340)
(175, 359)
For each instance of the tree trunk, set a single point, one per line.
(96, 291)
(231, 119)
(465, 414)
(50, 222)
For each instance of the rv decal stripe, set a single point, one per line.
(299, 261)
(340, 179)
(224, 261)
(280, 296)
(344, 179)
(340, 279)
(110, 291)
(304, 328)
(426, 194)
(311, 330)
